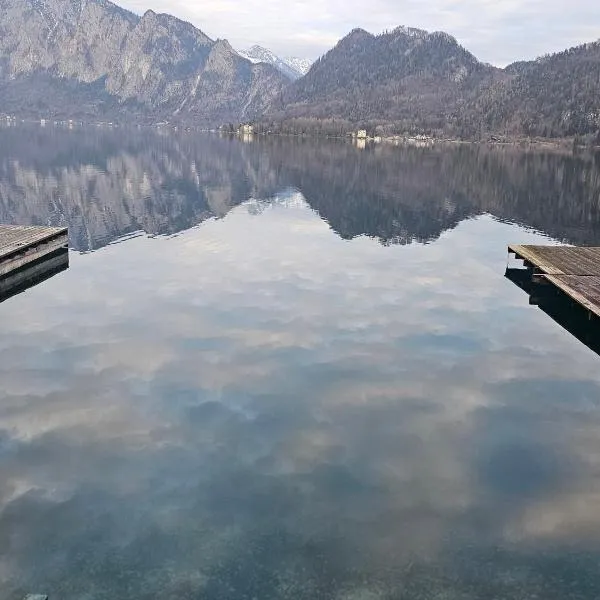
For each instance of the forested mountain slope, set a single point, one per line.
(409, 80)
(554, 96)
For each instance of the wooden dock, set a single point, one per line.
(31, 275)
(21, 247)
(559, 307)
(30, 255)
(573, 271)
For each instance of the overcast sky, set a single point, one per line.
(496, 31)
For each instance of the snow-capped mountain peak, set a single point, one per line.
(292, 67)
(302, 65)
(245, 55)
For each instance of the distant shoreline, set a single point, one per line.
(566, 144)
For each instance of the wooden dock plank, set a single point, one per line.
(584, 289)
(561, 260)
(15, 238)
(529, 254)
(33, 274)
(30, 255)
(22, 246)
(575, 271)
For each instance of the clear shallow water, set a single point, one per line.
(298, 398)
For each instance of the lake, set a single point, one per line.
(293, 369)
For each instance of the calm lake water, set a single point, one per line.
(293, 370)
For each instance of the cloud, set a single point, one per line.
(497, 32)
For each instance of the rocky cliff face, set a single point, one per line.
(155, 66)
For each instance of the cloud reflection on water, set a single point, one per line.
(258, 409)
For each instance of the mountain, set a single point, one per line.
(293, 68)
(408, 77)
(410, 80)
(90, 58)
(301, 65)
(554, 96)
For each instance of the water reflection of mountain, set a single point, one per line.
(106, 184)
(414, 194)
(397, 195)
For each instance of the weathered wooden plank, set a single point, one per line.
(21, 246)
(529, 254)
(29, 255)
(31, 275)
(13, 235)
(584, 289)
(560, 260)
(575, 271)
(15, 239)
